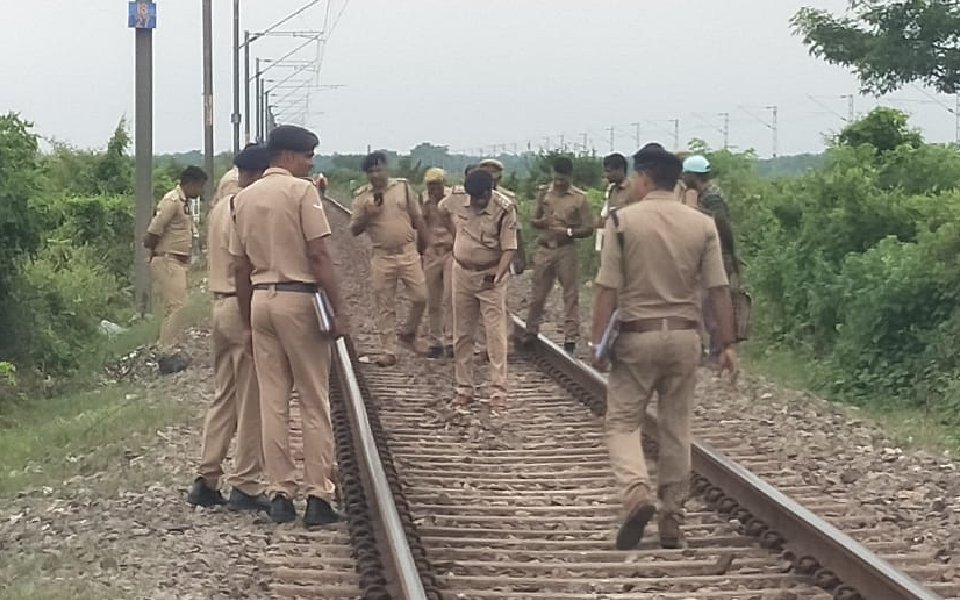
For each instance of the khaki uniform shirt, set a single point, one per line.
(436, 224)
(618, 196)
(572, 208)
(670, 250)
(173, 223)
(228, 186)
(512, 197)
(220, 264)
(390, 226)
(276, 217)
(481, 237)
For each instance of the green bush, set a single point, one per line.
(104, 224)
(61, 296)
(855, 263)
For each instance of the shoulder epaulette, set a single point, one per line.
(505, 201)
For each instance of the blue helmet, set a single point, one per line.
(696, 164)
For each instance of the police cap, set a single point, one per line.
(493, 163)
(254, 158)
(292, 138)
(655, 155)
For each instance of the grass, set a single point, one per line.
(78, 434)
(91, 429)
(907, 426)
(29, 577)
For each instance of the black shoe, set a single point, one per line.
(631, 532)
(319, 512)
(526, 341)
(203, 495)
(435, 352)
(282, 510)
(242, 501)
(570, 347)
(448, 350)
(172, 364)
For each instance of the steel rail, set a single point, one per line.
(805, 533)
(408, 578)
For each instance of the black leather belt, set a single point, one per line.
(647, 325)
(223, 296)
(477, 268)
(180, 257)
(291, 286)
(556, 243)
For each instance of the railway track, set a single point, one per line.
(465, 505)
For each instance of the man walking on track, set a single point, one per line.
(656, 254)
(388, 211)
(236, 403)
(437, 262)
(282, 262)
(484, 227)
(169, 239)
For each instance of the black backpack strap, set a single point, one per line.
(616, 223)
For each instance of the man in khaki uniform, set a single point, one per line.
(437, 261)
(169, 240)
(495, 168)
(282, 262)
(657, 253)
(698, 181)
(618, 191)
(483, 224)
(236, 403)
(229, 184)
(388, 211)
(563, 215)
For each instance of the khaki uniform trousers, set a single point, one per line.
(560, 264)
(665, 362)
(470, 304)
(387, 270)
(437, 265)
(289, 351)
(235, 407)
(170, 284)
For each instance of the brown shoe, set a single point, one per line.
(461, 401)
(409, 341)
(631, 532)
(385, 360)
(671, 537)
(498, 403)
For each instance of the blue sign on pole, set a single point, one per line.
(142, 15)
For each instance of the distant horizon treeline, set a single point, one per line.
(431, 155)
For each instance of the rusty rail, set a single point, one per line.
(838, 560)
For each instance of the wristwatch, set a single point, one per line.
(569, 232)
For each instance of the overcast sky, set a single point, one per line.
(458, 72)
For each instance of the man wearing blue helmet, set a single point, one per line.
(697, 176)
